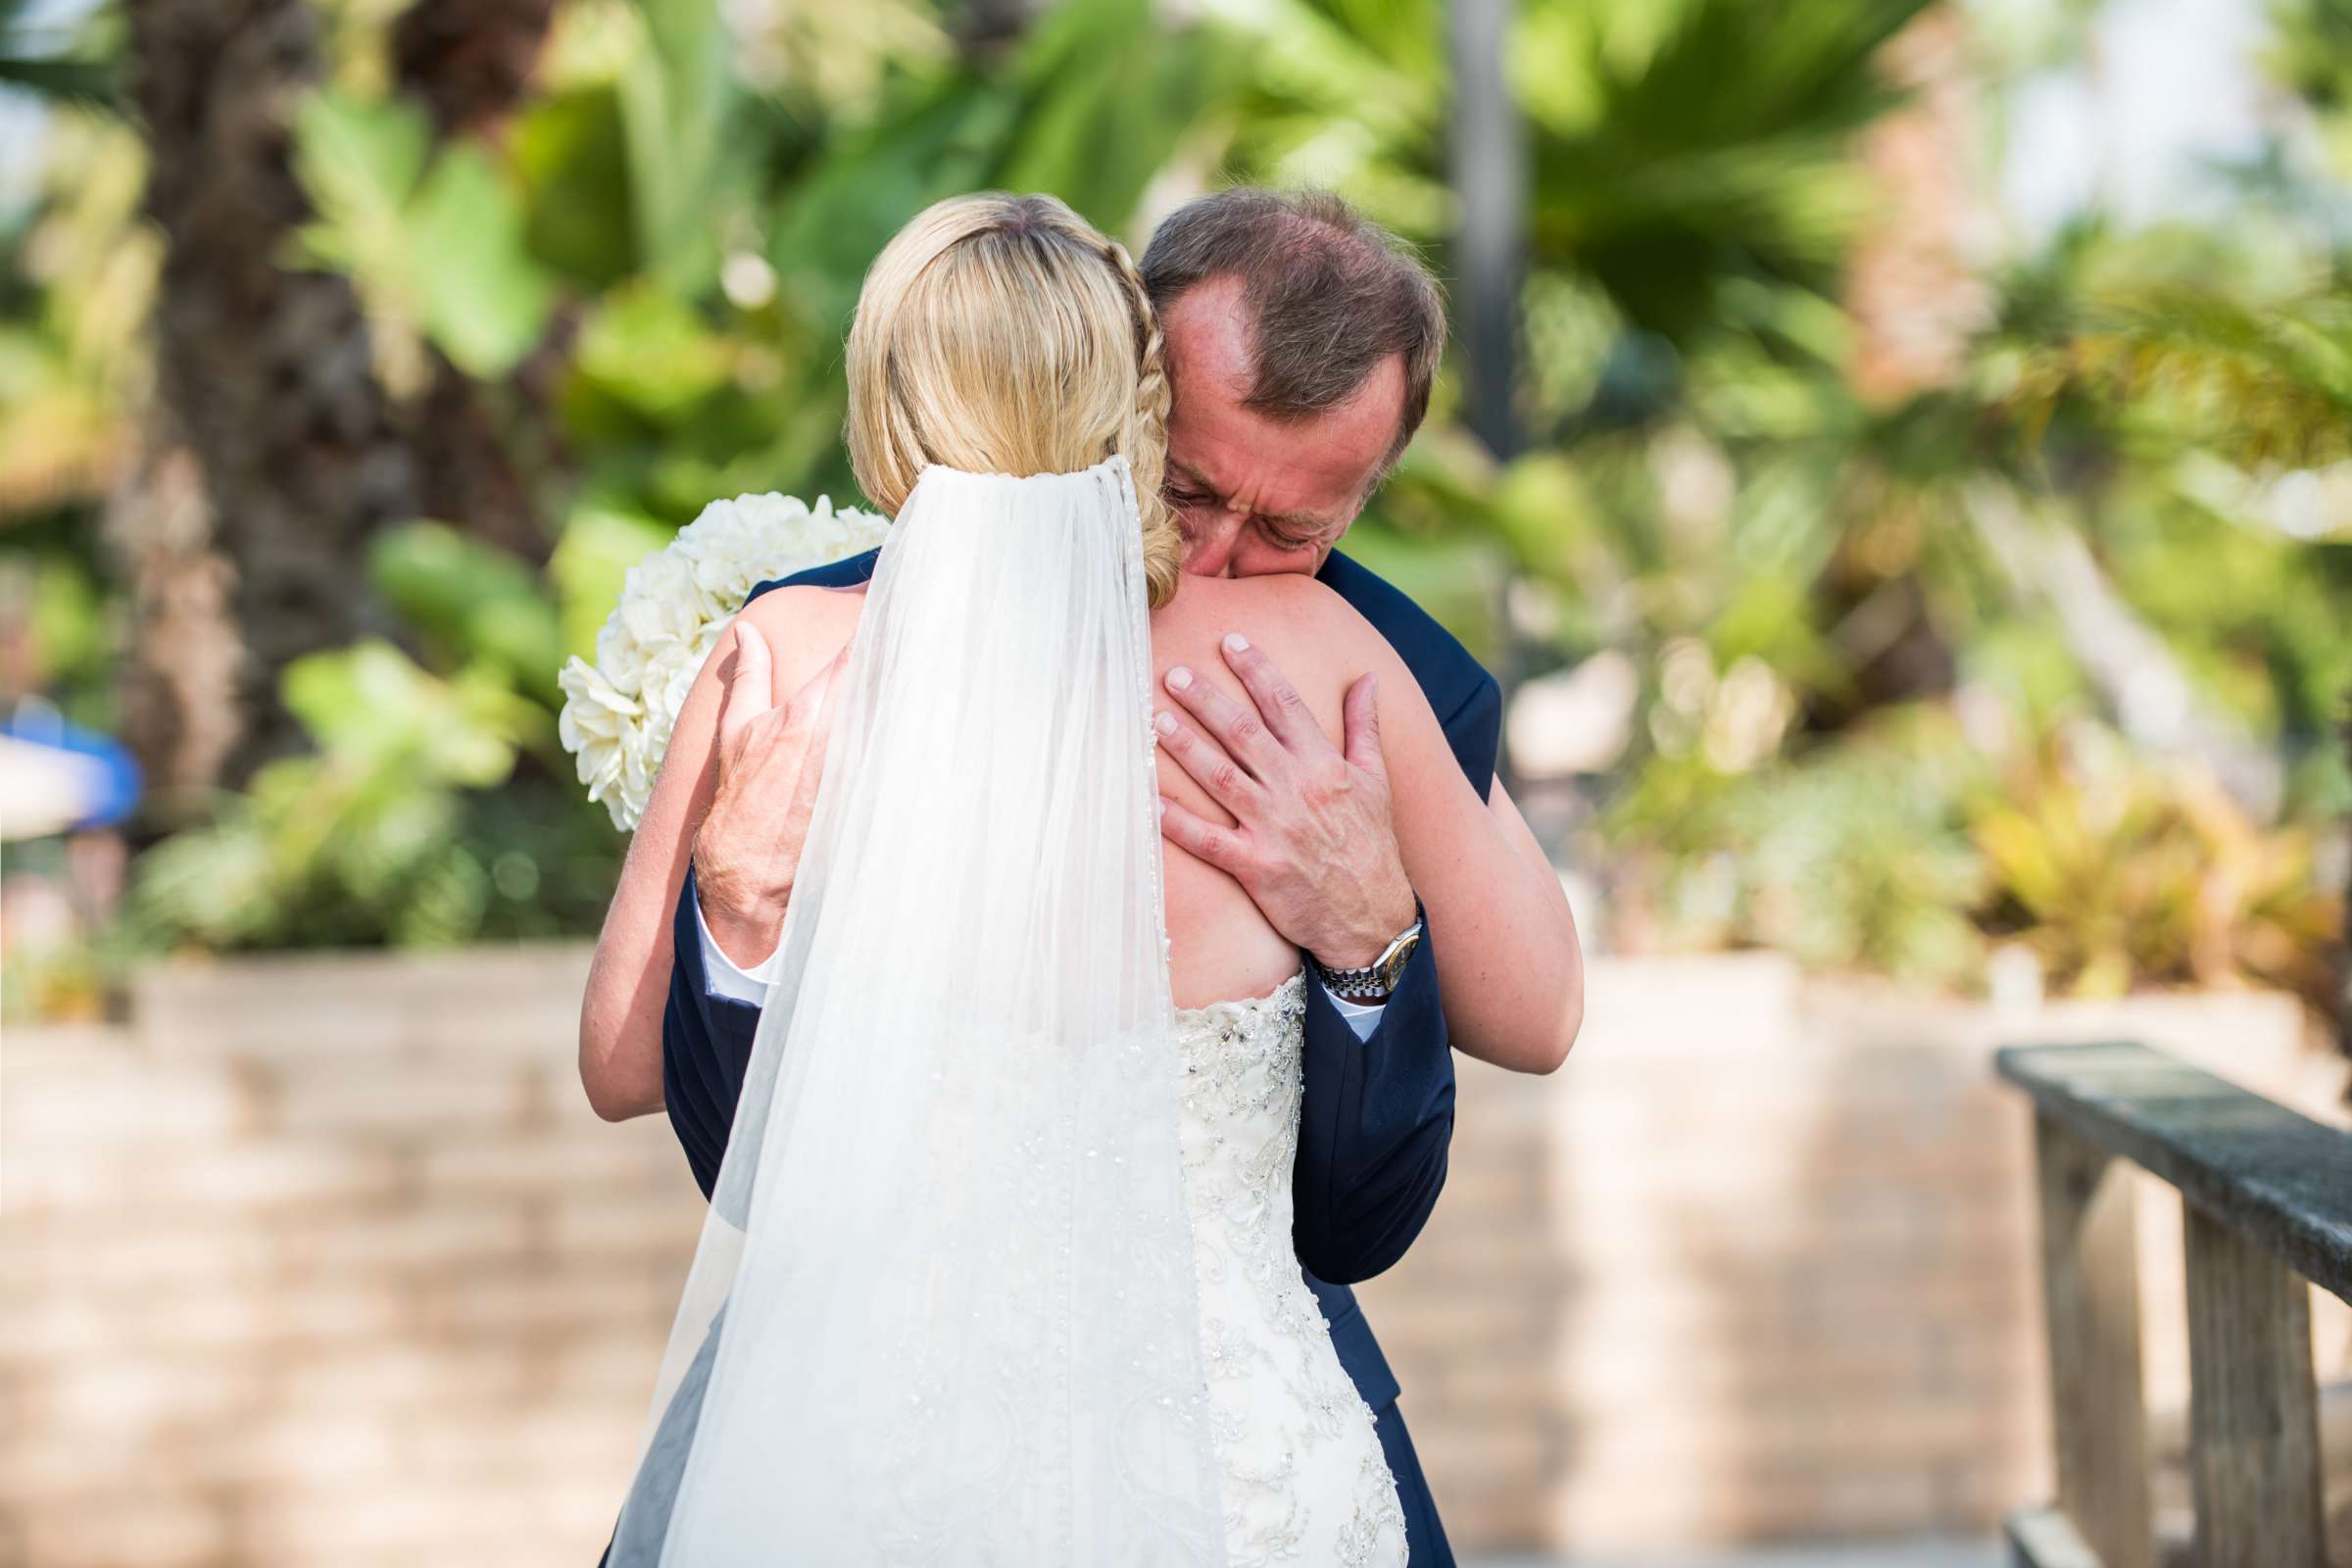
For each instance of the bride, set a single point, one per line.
(998, 1268)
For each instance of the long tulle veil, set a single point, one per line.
(943, 1309)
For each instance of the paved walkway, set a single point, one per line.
(1965, 1552)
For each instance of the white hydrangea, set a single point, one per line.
(674, 606)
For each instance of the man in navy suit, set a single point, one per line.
(1302, 341)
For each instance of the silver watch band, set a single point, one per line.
(1375, 981)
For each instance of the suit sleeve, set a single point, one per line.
(1374, 1126)
(1376, 1118)
(705, 1045)
(1475, 732)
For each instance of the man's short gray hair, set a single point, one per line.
(1330, 294)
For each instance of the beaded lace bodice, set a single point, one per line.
(1302, 1475)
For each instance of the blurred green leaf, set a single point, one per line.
(361, 161)
(434, 243)
(485, 300)
(370, 704)
(572, 153)
(1110, 91)
(676, 96)
(355, 842)
(591, 562)
(650, 350)
(1720, 150)
(475, 602)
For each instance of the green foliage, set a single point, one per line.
(599, 547)
(2268, 382)
(76, 281)
(432, 239)
(66, 60)
(1852, 857)
(1701, 144)
(677, 93)
(570, 151)
(2311, 54)
(61, 623)
(1905, 850)
(473, 604)
(2117, 875)
(1094, 102)
(358, 842)
(1861, 733)
(651, 351)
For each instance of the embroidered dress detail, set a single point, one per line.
(1299, 1463)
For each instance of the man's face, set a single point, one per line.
(1255, 495)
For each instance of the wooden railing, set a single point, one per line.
(2268, 1203)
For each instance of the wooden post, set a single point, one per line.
(2090, 1284)
(2253, 1416)
(2268, 1196)
(2045, 1538)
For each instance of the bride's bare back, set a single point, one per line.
(1221, 946)
(1507, 964)
(1220, 943)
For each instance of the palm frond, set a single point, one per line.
(72, 64)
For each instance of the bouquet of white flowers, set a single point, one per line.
(674, 606)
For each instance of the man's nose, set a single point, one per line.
(1252, 555)
(1212, 547)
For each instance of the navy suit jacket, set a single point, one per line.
(1377, 1115)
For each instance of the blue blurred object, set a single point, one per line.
(56, 778)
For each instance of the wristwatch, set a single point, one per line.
(1375, 981)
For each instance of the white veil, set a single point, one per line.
(943, 1309)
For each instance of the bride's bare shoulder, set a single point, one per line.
(1289, 599)
(805, 605)
(1285, 607)
(1313, 635)
(804, 627)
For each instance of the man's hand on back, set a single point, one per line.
(1313, 844)
(770, 760)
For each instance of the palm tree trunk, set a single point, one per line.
(180, 715)
(269, 372)
(471, 63)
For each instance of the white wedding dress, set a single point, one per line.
(1298, 1461)
(997, 1266)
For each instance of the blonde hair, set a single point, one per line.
(1005, 334)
